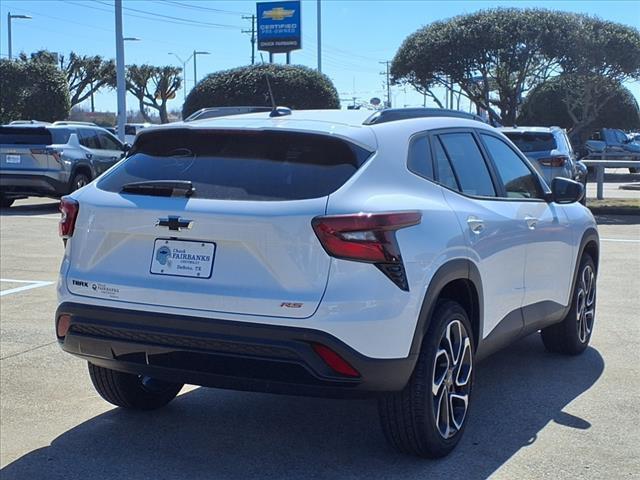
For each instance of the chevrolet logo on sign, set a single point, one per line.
(277, 13)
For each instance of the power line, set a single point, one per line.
(200, 7)
(172, 18)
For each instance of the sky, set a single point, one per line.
(356, 35)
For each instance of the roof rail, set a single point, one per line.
(72, 122)
(394, 114)
(213, 112)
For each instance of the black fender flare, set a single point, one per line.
(456, 269)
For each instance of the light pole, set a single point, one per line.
(195, 71)
(184, 72)
(9, 18)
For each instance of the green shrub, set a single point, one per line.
(293, 86)
(32, 90)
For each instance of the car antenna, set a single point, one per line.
(275, 110)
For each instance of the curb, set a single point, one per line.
(614, 210)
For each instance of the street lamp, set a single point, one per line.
(195, 71)
(9, 18)
(184, 72)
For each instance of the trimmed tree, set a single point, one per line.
(153, 87)
(293, 86)
(496, 56)
(546, 105)
(32, 90)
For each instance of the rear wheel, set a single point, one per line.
(79, 180)
(634, 170)
(6, 202)
(131, 391)
(428, 417)
(572, 335)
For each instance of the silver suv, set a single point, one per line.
(53, 160)
(550, 151)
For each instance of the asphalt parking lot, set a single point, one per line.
(535, 415)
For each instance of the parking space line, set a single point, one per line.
(29, 284)
(624, 240)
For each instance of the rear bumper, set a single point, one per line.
(15, 184)
(224, 354)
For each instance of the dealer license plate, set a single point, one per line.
(182, 258)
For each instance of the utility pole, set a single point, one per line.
(253, 36)
(120, 81)
(388, 82)
(319, 28)
(195, 71)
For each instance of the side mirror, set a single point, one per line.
(126, 147)
(564, 190)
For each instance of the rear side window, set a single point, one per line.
(532, 141)
(519, 181)
(468, 164)
(60, 135)
(241, 165)
(419, 161)
(129, 130)
(24, 136)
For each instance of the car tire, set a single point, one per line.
(427, 418)
(634, 170)
(6, 202)
(131, 391)
(79, 180)
(571, 336)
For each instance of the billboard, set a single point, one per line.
(279, 26)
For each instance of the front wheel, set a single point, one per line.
(136, 392)
(428, 417)
(571, 336)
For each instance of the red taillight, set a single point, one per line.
(63, 324)
(335, 361)
(556, 161)
(56, 154)
(365, 237)
(69, 210)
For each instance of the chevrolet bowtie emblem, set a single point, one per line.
(278, 13)
(174, 223)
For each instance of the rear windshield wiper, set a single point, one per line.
(160, 188)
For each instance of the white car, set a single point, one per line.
(333, 253)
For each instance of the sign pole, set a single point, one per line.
(120, 76)
(319, 15)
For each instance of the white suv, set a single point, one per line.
(323, 253)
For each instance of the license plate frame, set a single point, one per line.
(181, 259)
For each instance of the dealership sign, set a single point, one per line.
(279, 26)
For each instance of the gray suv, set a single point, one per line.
(550, 151)
(53, 160)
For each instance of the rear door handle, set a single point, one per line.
(532, 222)
(476, 225)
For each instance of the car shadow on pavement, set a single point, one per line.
(209, 433)
(31, 209)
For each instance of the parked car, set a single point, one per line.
(131, 130)
(52, 160)
(549, 150)
(612, 140)
(320, 252)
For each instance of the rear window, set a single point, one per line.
(241, 165)
(24, 136)
(532, 141)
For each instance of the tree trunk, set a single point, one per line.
(143, 112)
